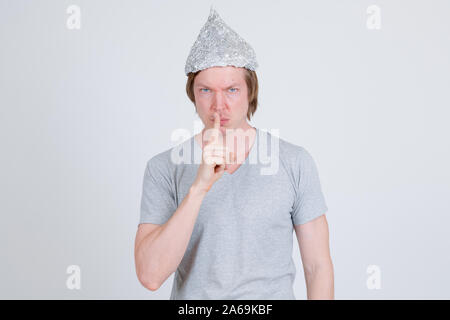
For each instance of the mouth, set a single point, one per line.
(222, 120)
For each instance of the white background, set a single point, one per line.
(83, 110)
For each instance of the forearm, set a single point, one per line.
(320, 282)
(160, 253)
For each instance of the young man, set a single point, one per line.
(225, 225)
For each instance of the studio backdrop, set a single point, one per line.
(91, 90)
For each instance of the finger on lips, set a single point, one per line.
(214, 149)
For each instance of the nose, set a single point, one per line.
(219, 101)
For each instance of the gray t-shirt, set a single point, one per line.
(241, 244)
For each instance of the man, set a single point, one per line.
(225, 226)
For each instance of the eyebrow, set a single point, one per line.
(235, 84)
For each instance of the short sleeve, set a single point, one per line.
(309, 200)
(158, 201)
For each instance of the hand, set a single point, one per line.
(215, 157)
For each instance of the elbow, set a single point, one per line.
(152, 286)
(150, 274)
(149, 283)
(147, 278)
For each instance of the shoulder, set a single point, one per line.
(289, 153)
(166, 161)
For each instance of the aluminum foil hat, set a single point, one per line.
(219, 45)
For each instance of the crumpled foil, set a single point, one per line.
(219, 45)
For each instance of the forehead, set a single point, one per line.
(220, 76)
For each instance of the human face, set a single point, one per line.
(222, 89)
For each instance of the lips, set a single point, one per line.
(221, 119)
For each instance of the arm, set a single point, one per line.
(159, 251)
(313, 241)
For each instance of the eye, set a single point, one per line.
(201, 90)
(234, 89)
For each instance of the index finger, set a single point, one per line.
(215, 131)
